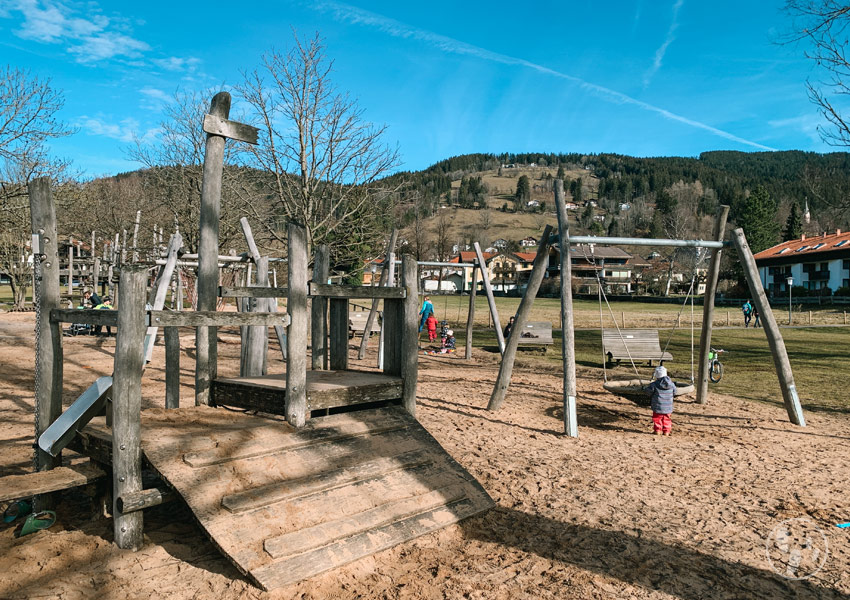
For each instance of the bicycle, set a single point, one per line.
(715, 367)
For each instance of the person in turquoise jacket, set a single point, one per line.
(427, 310)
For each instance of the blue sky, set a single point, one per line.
(638, 77)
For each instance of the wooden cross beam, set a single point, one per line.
(215, 125)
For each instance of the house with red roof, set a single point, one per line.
(813, 262)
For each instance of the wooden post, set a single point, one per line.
(95, 277)
(507, 365)
(160, 289)
(470, 317)
(319, 311)
(296, 339)
(136, 236)
(179, 289)
(265, 304)
(71, 270)
(623, 317)
(172, 367)
(257, 338)
(338, 347)
(567, 328)
(409, 333)
(718, 233)
(127, 403)
(727, 319)
(490, 299)
(206, 338)
(124, 248)
(93, 253)
(383, 339)
(48, 341)
(771, 329)
(385, 273)
(810, 317)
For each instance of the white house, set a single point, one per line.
(814, 263)
(528, 242)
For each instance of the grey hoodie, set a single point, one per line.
(662, 392)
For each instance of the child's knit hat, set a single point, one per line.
(660, 372)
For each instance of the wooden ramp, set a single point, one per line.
(285, 504)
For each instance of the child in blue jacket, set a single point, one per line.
(661, 393)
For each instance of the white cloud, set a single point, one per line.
(357, 16)
(108, 45)
(174, 63)
(662, 50)
(155, 94)
(125, 130)
(806, 124)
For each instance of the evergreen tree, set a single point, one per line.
(523, 190)
(561, 173)
(793, 226)
(665, 203)
(758, 220)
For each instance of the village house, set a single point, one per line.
(816, 263)
(528, 242)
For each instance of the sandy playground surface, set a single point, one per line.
(617, 513)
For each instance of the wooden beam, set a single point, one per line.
(127, 403)
(296, 340)
(355, 292)
(713, 276)
(160, 289)
(567, 328)
(409, 333)
(206, 339)
(189, 318)
(470, 316)
(507, 365)
(48, 342)
(338, 334)
(319, 312)
(136, 501)
(172, 367)
(84, 316)
(215, 125)
(385, 281)
(252, 292)
(488, 289)
(257, 336)
(771, 330)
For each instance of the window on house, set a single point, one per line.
(783, 250)
(818, 246)
(801, 248)
(841, 243)
(847, 265)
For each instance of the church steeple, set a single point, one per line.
(807, 216)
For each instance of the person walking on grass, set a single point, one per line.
(661, 393)
(757, 316)
(427, 310)
(747, 309)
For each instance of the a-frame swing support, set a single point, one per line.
(739, 241)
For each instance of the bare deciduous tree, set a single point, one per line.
(28, 108)
(324, 158)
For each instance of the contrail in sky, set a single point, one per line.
(662, 50)
(356, 16)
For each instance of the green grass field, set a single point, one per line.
(818, 358)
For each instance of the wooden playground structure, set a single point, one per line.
(320, 466)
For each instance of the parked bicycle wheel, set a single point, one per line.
(716, 371)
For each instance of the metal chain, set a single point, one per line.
(36, 298)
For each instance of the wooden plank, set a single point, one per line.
(353, 292)
(362, 544)
(503, 380)
(172, 367)
(338, 330)
(83, 316)
(189, 318)
(771, 330)
(712, 278)
(48, 342)
(252, 292)
(319, 312)
(206, 338)
(15, 487)
(393, 325)
(136, 501)
(215, 125)
(127, 402)
(256, 449)
(255, 498)
(409, 355)
(470, 315)
(160, 289)
(393, 510)
(257, 337)
(296, 341)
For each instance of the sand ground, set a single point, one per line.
(617, 513)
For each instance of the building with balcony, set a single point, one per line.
(815, 263)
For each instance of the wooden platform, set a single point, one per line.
(15, 487)
(285, 504)
(325, 389)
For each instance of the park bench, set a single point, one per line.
(634, 344)
(536, 333)
(357, 323)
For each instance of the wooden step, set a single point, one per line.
(279, 491)
(15, 487)
(308, 564)
(330, 532)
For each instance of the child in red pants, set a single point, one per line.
(662, 391)
(431, 324)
